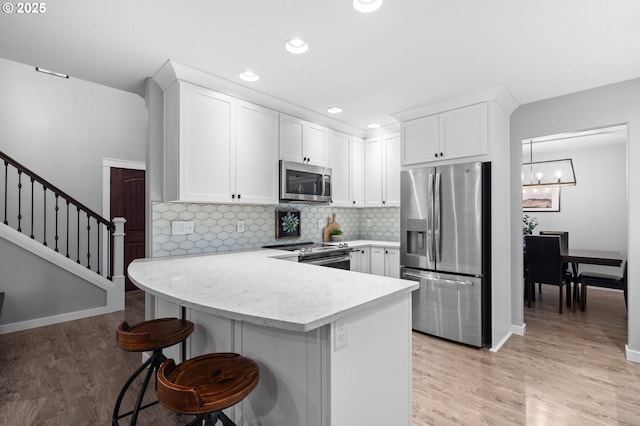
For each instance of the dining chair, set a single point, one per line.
(596, 279)
(564, 245)
(544, 265)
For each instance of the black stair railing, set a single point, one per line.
(75, 229)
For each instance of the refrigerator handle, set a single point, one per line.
(430, 240)
(438, 234)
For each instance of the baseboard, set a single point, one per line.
(54, 319)
(633, 356)
(497, 347)
(519, 330)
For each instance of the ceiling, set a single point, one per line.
(407, 54)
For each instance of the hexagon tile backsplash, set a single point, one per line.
(215, 226)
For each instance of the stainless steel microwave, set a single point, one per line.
(304, 182)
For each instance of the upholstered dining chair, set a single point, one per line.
(544, 265)
(564, 245)
(596, 279)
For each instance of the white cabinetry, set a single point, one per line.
(357, 172)
(382, 171)
(361, 259)
(458, 133)
(385, 261)
(303, 142)
(218, 148)
(340, 163)
(346, 159)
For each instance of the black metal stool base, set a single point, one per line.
(210, 419)
(153, 363)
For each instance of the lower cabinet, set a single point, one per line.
(361, 259)
(385, 261)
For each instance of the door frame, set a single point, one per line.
(107, 164)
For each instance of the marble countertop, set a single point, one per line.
(360, 243)
(262, 287)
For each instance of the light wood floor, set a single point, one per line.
(569, 369)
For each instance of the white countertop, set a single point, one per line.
(258, 287)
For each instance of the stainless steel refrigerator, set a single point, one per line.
(445, 245)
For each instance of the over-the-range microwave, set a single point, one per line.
(301, 182)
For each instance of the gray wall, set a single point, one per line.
(61, 129)
(594, 212)
(600, 107)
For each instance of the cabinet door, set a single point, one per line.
(373, 172)
(205, 147)
(391, 183)
(463, 132)
(392, 263)
(378, 261)
(339, 161)
(356, 261)
(357, 172)
(316, 144)
(291, 136)
(365, 259)
(420, 140)
(256, 154)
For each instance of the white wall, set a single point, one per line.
(594, 212)
(63, 128)
(600, 107)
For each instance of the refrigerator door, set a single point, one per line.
(416, 218)
(447, 306)
(458, 218)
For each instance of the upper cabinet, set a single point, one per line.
(218, 148)
(346, 159)
(458, 133)
(382, 171)
(303, 142)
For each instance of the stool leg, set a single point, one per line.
(136, 409)
(226, 421)
(116, 409)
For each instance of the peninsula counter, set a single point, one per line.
(333, 346)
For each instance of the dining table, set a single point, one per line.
(576, 257)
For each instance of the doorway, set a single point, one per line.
(127, 198)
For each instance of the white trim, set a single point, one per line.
(497, 347)
(55, 319)
(519, 330)
(633, 356)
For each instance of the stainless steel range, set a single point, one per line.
(333, 256)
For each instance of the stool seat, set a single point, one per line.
(207, 383)
(153, 334)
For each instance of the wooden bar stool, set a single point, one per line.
(207, 384)
(153, 335)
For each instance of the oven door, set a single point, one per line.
(343, 261)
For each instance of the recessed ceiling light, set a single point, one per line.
(249, 75)
(334, 110)
(366, 6)
(296, 45)
(373, 125)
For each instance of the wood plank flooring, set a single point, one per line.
(569, 369)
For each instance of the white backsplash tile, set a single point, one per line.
(215, 226)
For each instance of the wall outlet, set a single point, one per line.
(340, 335)
(320, 224)
(369, 223)
(181, 227)
(240, 226)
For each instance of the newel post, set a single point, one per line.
(118, 262)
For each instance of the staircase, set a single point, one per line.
(55, 254)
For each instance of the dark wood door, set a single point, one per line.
(127, 200)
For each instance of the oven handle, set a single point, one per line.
(327, 261)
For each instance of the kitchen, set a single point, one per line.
(592, 117)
